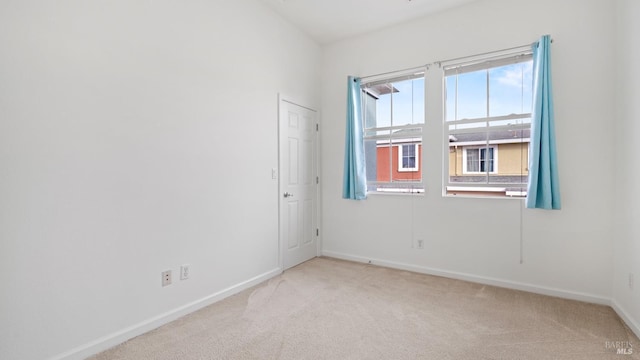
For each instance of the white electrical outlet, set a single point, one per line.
(631, 281)
(166, 278)
(185, 271)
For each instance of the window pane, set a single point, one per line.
(383, 110)
(371, 158)
(410, 151)
(510, 161)
(472, 95)
(469, 139)
(488, 152)
(379, 133)
(418, 100)
(392, 154)
(510, 89)
(454, 127)
(512, 123)
(408, 156)
(405, 110)
(370, 109)
(406, 161)
(450, 98)
(473, 160)
(486, 160)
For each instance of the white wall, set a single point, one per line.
(627, 234)
(135, 136)
(567, 252)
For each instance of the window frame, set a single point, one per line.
(465, 169)
(520, 122)
(396, 136)
(416, 155)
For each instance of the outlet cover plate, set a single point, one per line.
(185, 271)
(166, 278)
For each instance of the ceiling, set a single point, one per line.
(328, 21)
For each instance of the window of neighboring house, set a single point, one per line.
(393, 120)
(408, 159)
(488, 113)
(479, 160)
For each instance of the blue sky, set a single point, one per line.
(507, 95)
(408, 104)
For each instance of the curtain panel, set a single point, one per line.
(354, 180)
(543, 191)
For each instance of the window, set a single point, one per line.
(487, 126)
(393, 121)
(408, 159)
(479, 160)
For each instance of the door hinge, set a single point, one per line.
(317, 232)
(317, 180)
(317, 127)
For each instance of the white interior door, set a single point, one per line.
(298, 185)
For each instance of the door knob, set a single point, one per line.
(287, 195)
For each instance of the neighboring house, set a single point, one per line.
(399, 166)
(501, 160)
(402, 164)
(394, 115)
(396, 168)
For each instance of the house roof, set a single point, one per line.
(497, 136)
(411, 131)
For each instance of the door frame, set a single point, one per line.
(281, 117)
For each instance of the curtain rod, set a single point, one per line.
(523, 47)
(439, 63)
(396, 72)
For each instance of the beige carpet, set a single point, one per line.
(332, 309)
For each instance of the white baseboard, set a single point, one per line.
(631, 323)
(123, 335)
(475, 278)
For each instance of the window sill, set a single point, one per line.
(484, 192)
(396, 193)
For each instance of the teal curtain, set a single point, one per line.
(543, 191)
(354, 185)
